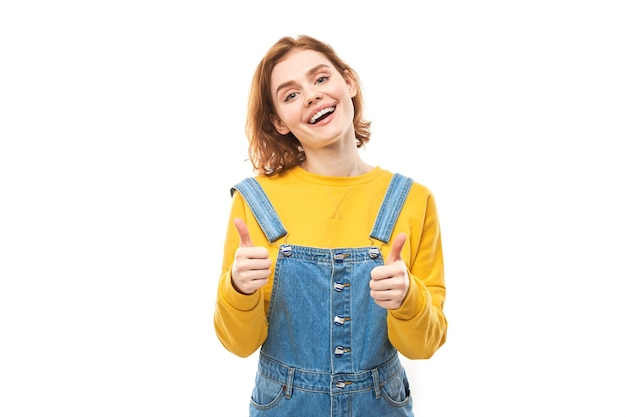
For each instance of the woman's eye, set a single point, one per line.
(290, 96)
(322, 79)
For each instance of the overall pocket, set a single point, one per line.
(396, 390)
(267, 393)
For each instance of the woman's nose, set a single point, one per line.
(314, 97)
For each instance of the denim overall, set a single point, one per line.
(327, 352)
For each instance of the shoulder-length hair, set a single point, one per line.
(271, 152)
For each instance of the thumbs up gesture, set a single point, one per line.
(251, 268)
(390, 282)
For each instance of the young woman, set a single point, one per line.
(331, 266)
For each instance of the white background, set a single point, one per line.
(121, 128)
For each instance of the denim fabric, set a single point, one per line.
(327, 351)
(262, 209)
(390, 210)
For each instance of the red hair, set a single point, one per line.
(269, 151)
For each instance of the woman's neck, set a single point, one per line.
(336, 167)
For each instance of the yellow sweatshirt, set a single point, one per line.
(330, 212)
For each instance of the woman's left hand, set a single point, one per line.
(390, 282)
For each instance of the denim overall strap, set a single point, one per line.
(390, 208)
(262, 208)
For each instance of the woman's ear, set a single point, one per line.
(279, 125)
(351, 82)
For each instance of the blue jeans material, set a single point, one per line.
(327, 352)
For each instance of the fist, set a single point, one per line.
(251, 268)
(389, 283)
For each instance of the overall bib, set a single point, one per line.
(327, 352)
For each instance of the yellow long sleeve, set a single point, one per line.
(330, 212)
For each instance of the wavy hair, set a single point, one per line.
(271, 152)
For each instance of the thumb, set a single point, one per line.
(244, 235)
(396, 249)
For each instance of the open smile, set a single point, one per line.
(322, 114)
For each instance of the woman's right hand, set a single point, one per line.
(251, 269)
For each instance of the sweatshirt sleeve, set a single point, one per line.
(239, 320)
(418, 328)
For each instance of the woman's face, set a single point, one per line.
(313, 100)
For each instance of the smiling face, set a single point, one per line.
(313, 100)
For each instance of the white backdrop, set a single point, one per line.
(121, 128)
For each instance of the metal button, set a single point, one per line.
(339, 257)
(340, 350)
(342, 384)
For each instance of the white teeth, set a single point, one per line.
(321, 113)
